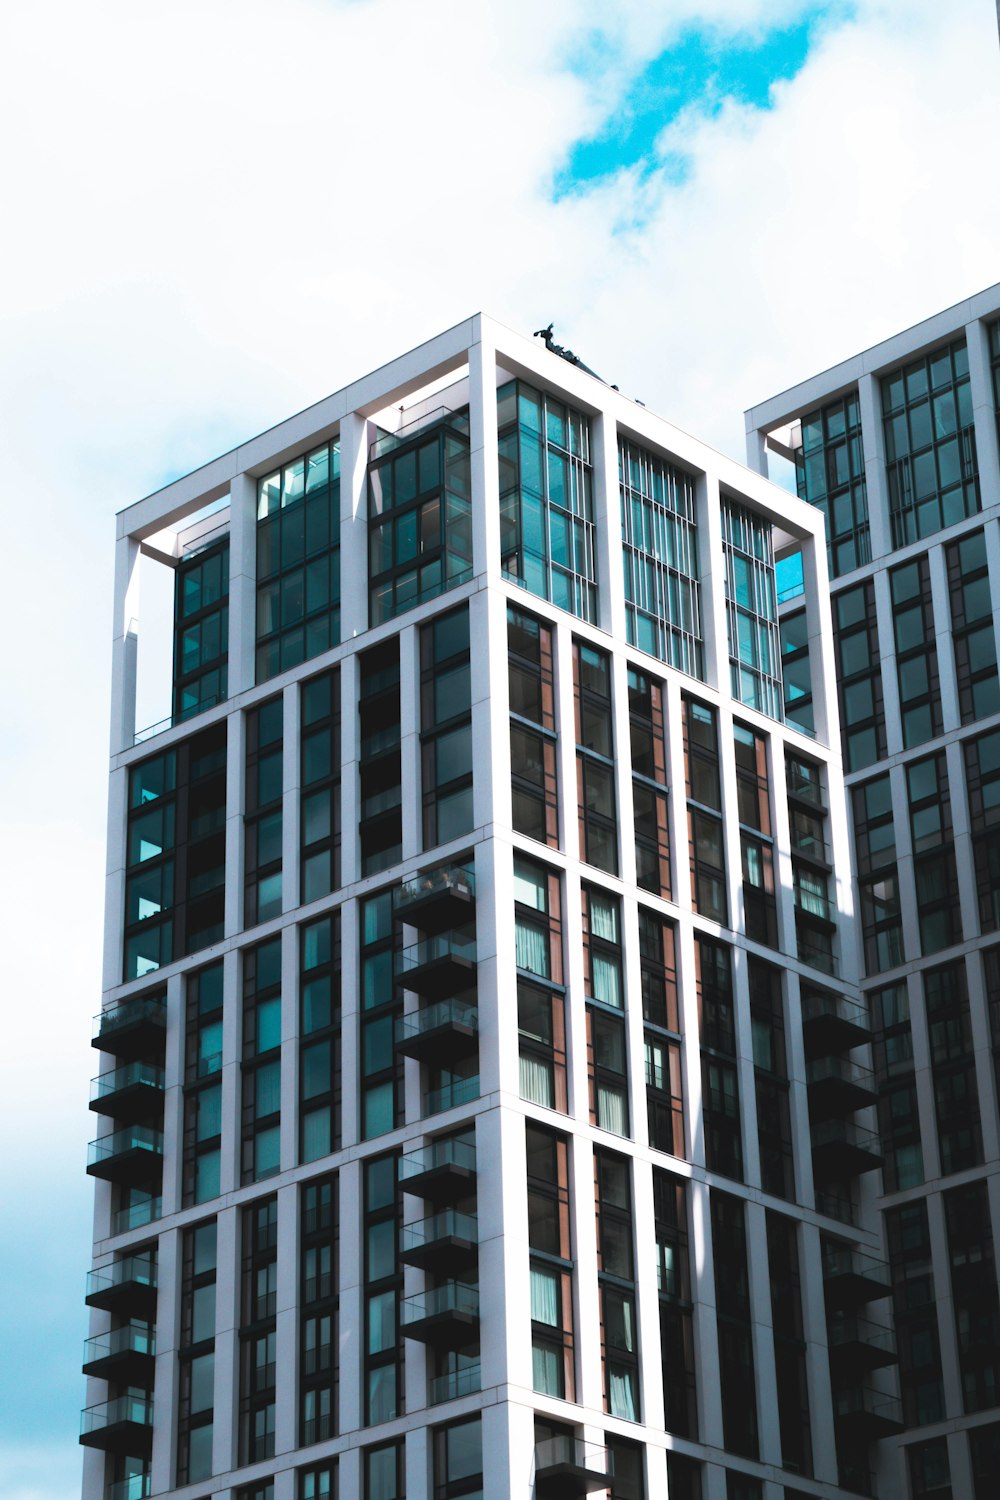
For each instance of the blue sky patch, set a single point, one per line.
(703, 69)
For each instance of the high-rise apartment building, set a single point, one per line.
(485, 1104)
(898, 448)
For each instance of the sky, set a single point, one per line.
(217, 212)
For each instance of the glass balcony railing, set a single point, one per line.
(453, 1151)
(836, 1205)
(133, 1086)
(448, 1224)
(128, 1154)
(436, 899)
(454, 1302)
(847, 1330)
(127, 1416)
(439, 966)
(870, 1408)
(840, 1078)
(117, 1282)
(136, 1215)
(135, 1487)
(437, 1017)
(565, 1459)
(455, 1383)
(132, 1028)
(451, 1095)
(133, 1338)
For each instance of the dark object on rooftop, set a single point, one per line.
(567, 354)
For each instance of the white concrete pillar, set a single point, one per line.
(350, 1322)
(937, 562)
(165, 1389)
(287, 1322)
(984, 415)
(505, 1299)
(124, 642)
(354, 439)
(227, 1343)
(242, 583)
(483, 457)
(873, 445)
(607, 521)
(712, 573)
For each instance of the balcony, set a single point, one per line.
(842, 1148)
(124, 1425)
(440, 1033)
(440, 966)
(863, 1415)
(438, 899)
(456, 1383)
(446, 1316)
(567, 1468)
(838, 1086)
(136, 1215)
(444, 1243)
(130, 1093)
(133, 1030)
(128, 1156)
(134, 1487)
(124, 1355)
(851, 1278)
(857, 1345)
(126, 1288)
(832, 1023)
(442, 1172)
(451, 1095)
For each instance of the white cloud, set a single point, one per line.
(217, 212)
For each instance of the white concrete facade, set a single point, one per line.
(482, 355)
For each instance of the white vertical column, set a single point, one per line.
(712, 573)
(762, 1332)
(508, 1450)
(286, 1321)
(937, 563)
(819, 630)
(353, 526)
(242, 583)
(235, 828)
(114, 882)
(702, 1257)
(124, 642)
(496, 978)
(887, 654)
(965, 865)
(291, 781)
(814, 1328)
(984, 414)
(409, 734)
(483, 458)
(647, 1289)
(873, 446)
(168, 1314)
(756, 445)
(745, 1068)
(505, 1305)
(944, 1306)
(490, 708)
(227, 1343)
(419, 1457)
(589, 1386)
(607, 521)
(979, 1019)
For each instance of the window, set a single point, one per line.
(974, 1294)
(930, 1475)
(197, 1354)
(534, 787)
(915, 1314)
(263, 821)
(930, 444)
(446, 727)
(878, 884)
(760, 913)
(319, 1482)
(381, 773)
(649, 783)
(541, 1026)
(984, 1442)
(298, 561)
(934, 871)
(982, 775)
(796, 672)
(595, 768)
(319, 1030)
(458, 1461)
(660, 552)
(774, 1130)
(616, 1285)
(175, 853)
(953, 1067)
(258, 1335)
(751, 610)
(661, 1014)
(261, 1071)
(732, 1297)
(704, 794)
(546, 499)
(602, 960)
(899, 1119)
(319, 730)
(318, 1305)
(381, 1074)
(973, 633)
(673, 1275)
(830, 474)
(916, 653)
(789, 1343)
(537, 920)
(720, 1079)
(203, 1085)
(201, 627)
(551, 1265)
(383, 1286)
(419, 516)
(859, 676)
(815, 914)
(385, 1471)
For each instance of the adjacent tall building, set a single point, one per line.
(485, 1099)
(898, 449)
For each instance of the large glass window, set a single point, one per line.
(982, 774)
(319, 730)
(534, 787)
(916, 653)
(201, 627)
(899, 1118)
(953, 1068)
(603, 982)
(261, 1070)
(616, 1285)
(660, 552)
(752, 610)
(298, 561)
(734, 1323)
(859, 676)
(595, 768)
(258, 1331)
(938, 910)
(446, 727)
(704, 794)
(796, 672)
(263, 820)
(649, 783)
(792, 1385)
(973, 632)
(318, 1304)
(381, 825)
(419, 516)
(551, 1263)
(878, 884)
(546, 500)
(203, 1085)
(974, 1294)
(915, 1313)
(319, 1030)
(720, 1078)
(830, 474)
(458, 1461)
(381, 1074)
(383, 1286)
(930, 444)
(774, 1130)
(196, 1410)
(663, 1043)
(673, 1276)
(760, 913)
